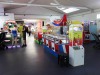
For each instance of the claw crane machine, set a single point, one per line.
(76, 49)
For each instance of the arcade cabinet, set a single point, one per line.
(76, 49)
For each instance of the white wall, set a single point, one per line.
(10, 16)
(2, 20)
(87, 16)
(1, 11)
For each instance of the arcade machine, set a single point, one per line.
(56, 42)
(76, 49)
(86, 33)
(38, 32)
(47, 30)
(9, 24)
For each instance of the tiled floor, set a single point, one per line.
(34, 60)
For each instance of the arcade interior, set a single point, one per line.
(55, 37)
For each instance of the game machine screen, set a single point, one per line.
(76, 35)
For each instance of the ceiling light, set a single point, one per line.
(69, 10)
(62, 8)
(30, 20)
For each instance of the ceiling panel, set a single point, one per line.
(46, 2)
(2, 0)
(8, 7)
(18, 1)
(21, 1)
(91, 4)
(55, 9)
(34, 11)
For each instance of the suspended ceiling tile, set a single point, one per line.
(21, 1)
(18, 1)
(45, 2)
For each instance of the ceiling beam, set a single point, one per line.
(54, 10)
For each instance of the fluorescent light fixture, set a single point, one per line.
(69, 10)
(98, 16)
(30, 20)
(62, 8)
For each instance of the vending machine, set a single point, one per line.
(76, 49)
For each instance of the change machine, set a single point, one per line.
(76, 49)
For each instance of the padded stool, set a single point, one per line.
(63, 59)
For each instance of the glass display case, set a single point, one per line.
(57, 43)
(59, 39)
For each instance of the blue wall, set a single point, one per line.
(92, 29)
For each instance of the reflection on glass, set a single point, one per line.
(63, 41)
(8, 36)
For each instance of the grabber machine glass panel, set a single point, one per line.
(76, 49)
